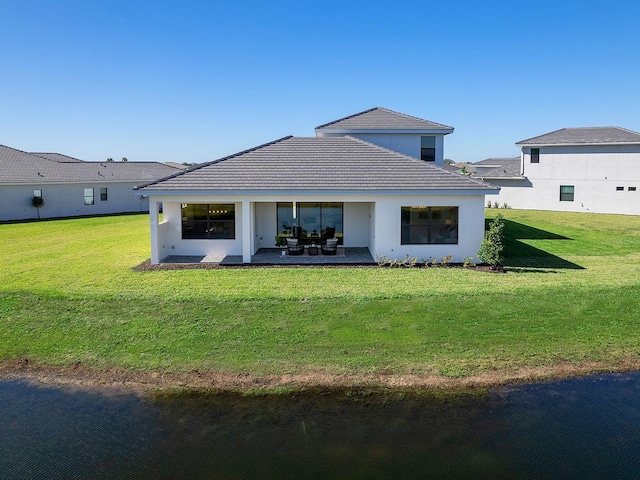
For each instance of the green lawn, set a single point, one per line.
(572, 294)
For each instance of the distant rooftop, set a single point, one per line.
(57, 157)
(586, 136)
(497, 167)
(379, 118)
(18, 167)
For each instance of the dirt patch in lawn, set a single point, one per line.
(81, 376)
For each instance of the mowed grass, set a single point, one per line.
(572, 294)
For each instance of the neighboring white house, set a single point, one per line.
(71, 187)
(346, 180)
(591, 169)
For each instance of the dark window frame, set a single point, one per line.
(567, 196)
(535, 155)
(103, 194)
(208, 221)
(429, 225)
(428, 152)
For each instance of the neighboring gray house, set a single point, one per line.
(588, 169)
(373, 179)
(71, 187)
(503, 172)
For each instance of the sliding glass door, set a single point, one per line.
(310, 221)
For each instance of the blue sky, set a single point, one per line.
(192, 81)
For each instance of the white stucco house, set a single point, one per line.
(590, 169)
(373, 179)
(71, 187)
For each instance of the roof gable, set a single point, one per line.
(379, 118)
(585, 136)
(317, 164)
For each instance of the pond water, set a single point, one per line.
(578, 428)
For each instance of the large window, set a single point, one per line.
(88, 196)
(211, 221)
(310, 221)
(566, 193)
(422, 225)
(535, 155)
(428, 149)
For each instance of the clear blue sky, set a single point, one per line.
(193, 81)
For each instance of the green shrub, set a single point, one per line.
(492, 248)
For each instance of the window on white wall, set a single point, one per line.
(37, 193)
(566, 193)
(88, 196)
(425, 225)
(631, 189)
(535, 155)
(103, 194)
(209, 221)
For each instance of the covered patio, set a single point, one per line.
(273, 256)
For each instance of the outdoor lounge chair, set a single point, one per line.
(294, 247)
(331, 247)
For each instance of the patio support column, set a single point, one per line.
(153, 228)
(247, 231)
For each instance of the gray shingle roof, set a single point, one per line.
(57, 157)
(317, 163)
(498, 168)
(18, 167)
(585, 135)
(379, 118)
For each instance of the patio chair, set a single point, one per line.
(331, 247)
(294, 247)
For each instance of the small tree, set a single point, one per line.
(124, 159)
(492, 247)
(37, 202)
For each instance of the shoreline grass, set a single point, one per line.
(68, 294)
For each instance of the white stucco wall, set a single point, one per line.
(406, 143)
(67, 200)
(369, 221)
(470, 227)
(595, 172)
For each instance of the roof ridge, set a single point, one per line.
(22, 151)
(206, 164)
(39, 154)
(411, 116)
(348, 117)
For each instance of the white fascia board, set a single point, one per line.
(500, 178)
(313, 193)
(574, 144)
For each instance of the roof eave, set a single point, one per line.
(302, 192)
(573, 144)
